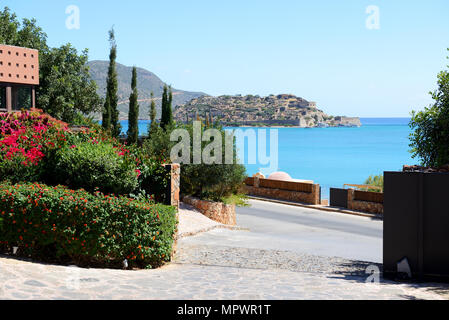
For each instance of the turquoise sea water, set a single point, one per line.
(335, 156)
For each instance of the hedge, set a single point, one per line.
(73, 226)
(95, 166)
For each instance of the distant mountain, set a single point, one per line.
(146, 82)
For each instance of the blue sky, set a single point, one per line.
(319, 50)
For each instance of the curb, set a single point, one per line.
(320, 207)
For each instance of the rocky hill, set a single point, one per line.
(146, 82)
(281, 110)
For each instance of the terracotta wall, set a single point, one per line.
(19, 65)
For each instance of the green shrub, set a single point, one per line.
(62, 225)
(215, 182)
(94, 165)
(239, 199)
(158, 144)
(430, 136)
(85, 120)
(377, 181)
(154, 178)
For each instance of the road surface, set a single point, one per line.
(302, 230)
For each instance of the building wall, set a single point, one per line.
(19, 65)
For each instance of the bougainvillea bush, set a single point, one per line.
(37, 148)
(93, 161)
(25, 138)
(62, 225)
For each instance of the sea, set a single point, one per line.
(333, 157)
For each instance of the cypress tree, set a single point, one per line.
(153, 125)
(111, 114)
(133, 115)
(167, 116)
(169, 106)
(163, 107)
(106, 119)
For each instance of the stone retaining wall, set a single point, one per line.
(217, 211)
(173, 188)
(253, 188)
(364, 206)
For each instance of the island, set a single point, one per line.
(284, 110)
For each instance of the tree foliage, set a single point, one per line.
(110, 112)
(167, 113)
(430, 136)
(376, 181)
(216, 181)
(133, 115)
(66, 87)
(153, 125)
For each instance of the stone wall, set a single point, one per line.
(253, 188)
(217, 211)
(174, 184)
(172, 192)
(364, 206)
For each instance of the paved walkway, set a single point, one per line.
(25, 280)
(204, 270)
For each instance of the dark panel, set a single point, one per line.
(401, 213)
(436, 224)
(2, 97)
(338, 198)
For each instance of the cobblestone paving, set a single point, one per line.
(226, 256)
(202, 273)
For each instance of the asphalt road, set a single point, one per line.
(281, 227)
